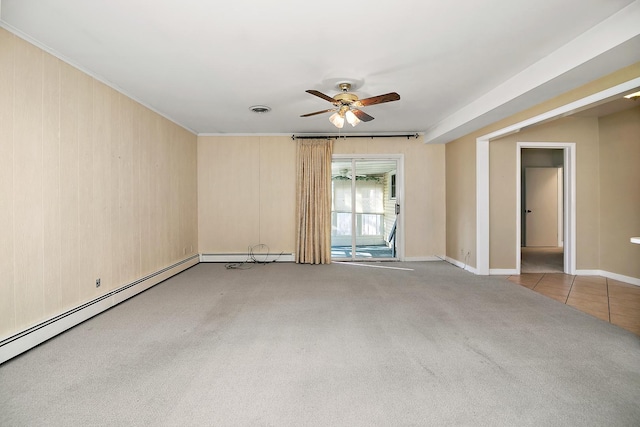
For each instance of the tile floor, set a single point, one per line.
(610, 300)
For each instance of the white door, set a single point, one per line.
(541, 206)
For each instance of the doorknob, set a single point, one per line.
(527, 211)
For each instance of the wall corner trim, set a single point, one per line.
(25, 340)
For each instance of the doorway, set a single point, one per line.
(365, 208)
(545, 215)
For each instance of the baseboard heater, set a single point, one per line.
(259, 257)
(29, 338)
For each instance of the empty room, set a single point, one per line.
(352, 214)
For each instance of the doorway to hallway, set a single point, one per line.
(546, 213)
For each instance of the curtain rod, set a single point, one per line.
(414, 135)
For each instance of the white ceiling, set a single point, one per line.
(457, 65)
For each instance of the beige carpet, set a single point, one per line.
(338, 345)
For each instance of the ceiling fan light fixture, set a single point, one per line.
(352, 118)
(337, 120)
(347, 105)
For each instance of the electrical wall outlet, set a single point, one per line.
(97, 283)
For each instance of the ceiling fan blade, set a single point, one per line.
(362, 115)
(387, 97)
(318, 112)
(321, 95)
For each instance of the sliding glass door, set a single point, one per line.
(365, 207)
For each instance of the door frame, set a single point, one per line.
(399, 158)
(569, 200)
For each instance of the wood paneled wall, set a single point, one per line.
(92, 185)
(246, 192)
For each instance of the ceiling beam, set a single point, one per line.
(603, 49)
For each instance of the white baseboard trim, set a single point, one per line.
(502, 271)
(244, 257)
(19, 343)
(609, 275)
(422, 258)
(460, 264)
(589, 273)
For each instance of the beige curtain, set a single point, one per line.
(313, 201)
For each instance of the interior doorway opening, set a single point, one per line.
(365, 209)
(546, 208)
(543, 210)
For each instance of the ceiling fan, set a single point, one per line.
(347, 105)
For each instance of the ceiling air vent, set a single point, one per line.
(260, 109)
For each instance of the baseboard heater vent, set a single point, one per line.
(37, 334)
(260, 257)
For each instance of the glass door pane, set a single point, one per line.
(341, 210)
(363, 213)
(374, 209)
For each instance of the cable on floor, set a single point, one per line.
(252, 258)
